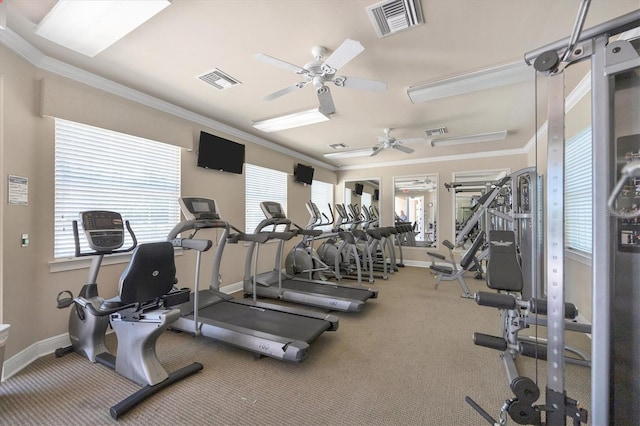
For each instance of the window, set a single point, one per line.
(262, 184)
(101, 169)
(578, 192)
(322, 196)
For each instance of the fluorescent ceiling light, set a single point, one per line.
(349, 154)
(89, 27)
(461, 140)
(488, 78)
(290, 121)
(3, 15)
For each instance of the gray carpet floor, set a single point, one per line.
(407, 359)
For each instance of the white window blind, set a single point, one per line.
(365, 200)
(578, 192)
(262, 184)
(322, 196)
(97, 169)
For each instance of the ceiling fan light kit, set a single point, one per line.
(102, 24)
(462, 84)
(290, 121)
(461, 140)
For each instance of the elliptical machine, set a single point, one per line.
(137, 314)
(303, 258)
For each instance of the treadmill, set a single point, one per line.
(280, 332)
(279, 285)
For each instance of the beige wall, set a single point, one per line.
(27, 286)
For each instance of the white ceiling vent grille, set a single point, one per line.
(219, 79)
(436, 132)
(338, 146)
(390, 16)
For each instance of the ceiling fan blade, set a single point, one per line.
(376, 150)
(326, 101)
(279, 63)
(363, 84)
(348, 50)
(403, 148)
(410, 141)
(284, 91)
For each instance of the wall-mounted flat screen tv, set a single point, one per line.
(303, 174)
(219, 153)
(358, 188)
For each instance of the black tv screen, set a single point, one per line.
(359, 187)
(376, 195)
(218, 153)
(303, 174)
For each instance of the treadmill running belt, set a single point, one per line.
(295, 327)
(328, 290)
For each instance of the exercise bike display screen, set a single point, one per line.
(104, 229)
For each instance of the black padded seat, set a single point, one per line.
(151, 273)
(504, 271)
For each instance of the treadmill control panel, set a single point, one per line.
(272, 210)
(195, 208)
(104, 229)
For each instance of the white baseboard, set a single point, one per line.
(417, 263)
(25, 357)
(47, 346)
(232, 288)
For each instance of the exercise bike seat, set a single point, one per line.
(147, 277)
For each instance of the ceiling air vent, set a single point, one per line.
(436, 132)
(338, 146)
(390, 16)
(219, 79)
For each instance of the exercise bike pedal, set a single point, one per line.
(66, 301)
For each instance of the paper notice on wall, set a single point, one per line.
(18, 191)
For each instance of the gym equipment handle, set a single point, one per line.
(533, 350)
(496, 300)
(193, 244)
(488, 341)
(539, 306)
(481, 411)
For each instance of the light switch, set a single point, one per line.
(25, 240)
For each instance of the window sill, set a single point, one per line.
(73, 263)
(578, 256)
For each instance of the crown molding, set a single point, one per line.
(38, 59)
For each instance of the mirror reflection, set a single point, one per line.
(415, 203)
(361, 200)
(468, 188)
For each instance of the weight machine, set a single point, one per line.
(615, 90)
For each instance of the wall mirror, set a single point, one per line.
(363, 195)
(468, 188)
(416, 203)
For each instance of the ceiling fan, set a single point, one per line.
(384, 142)
(318, 73)
(388, 141)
